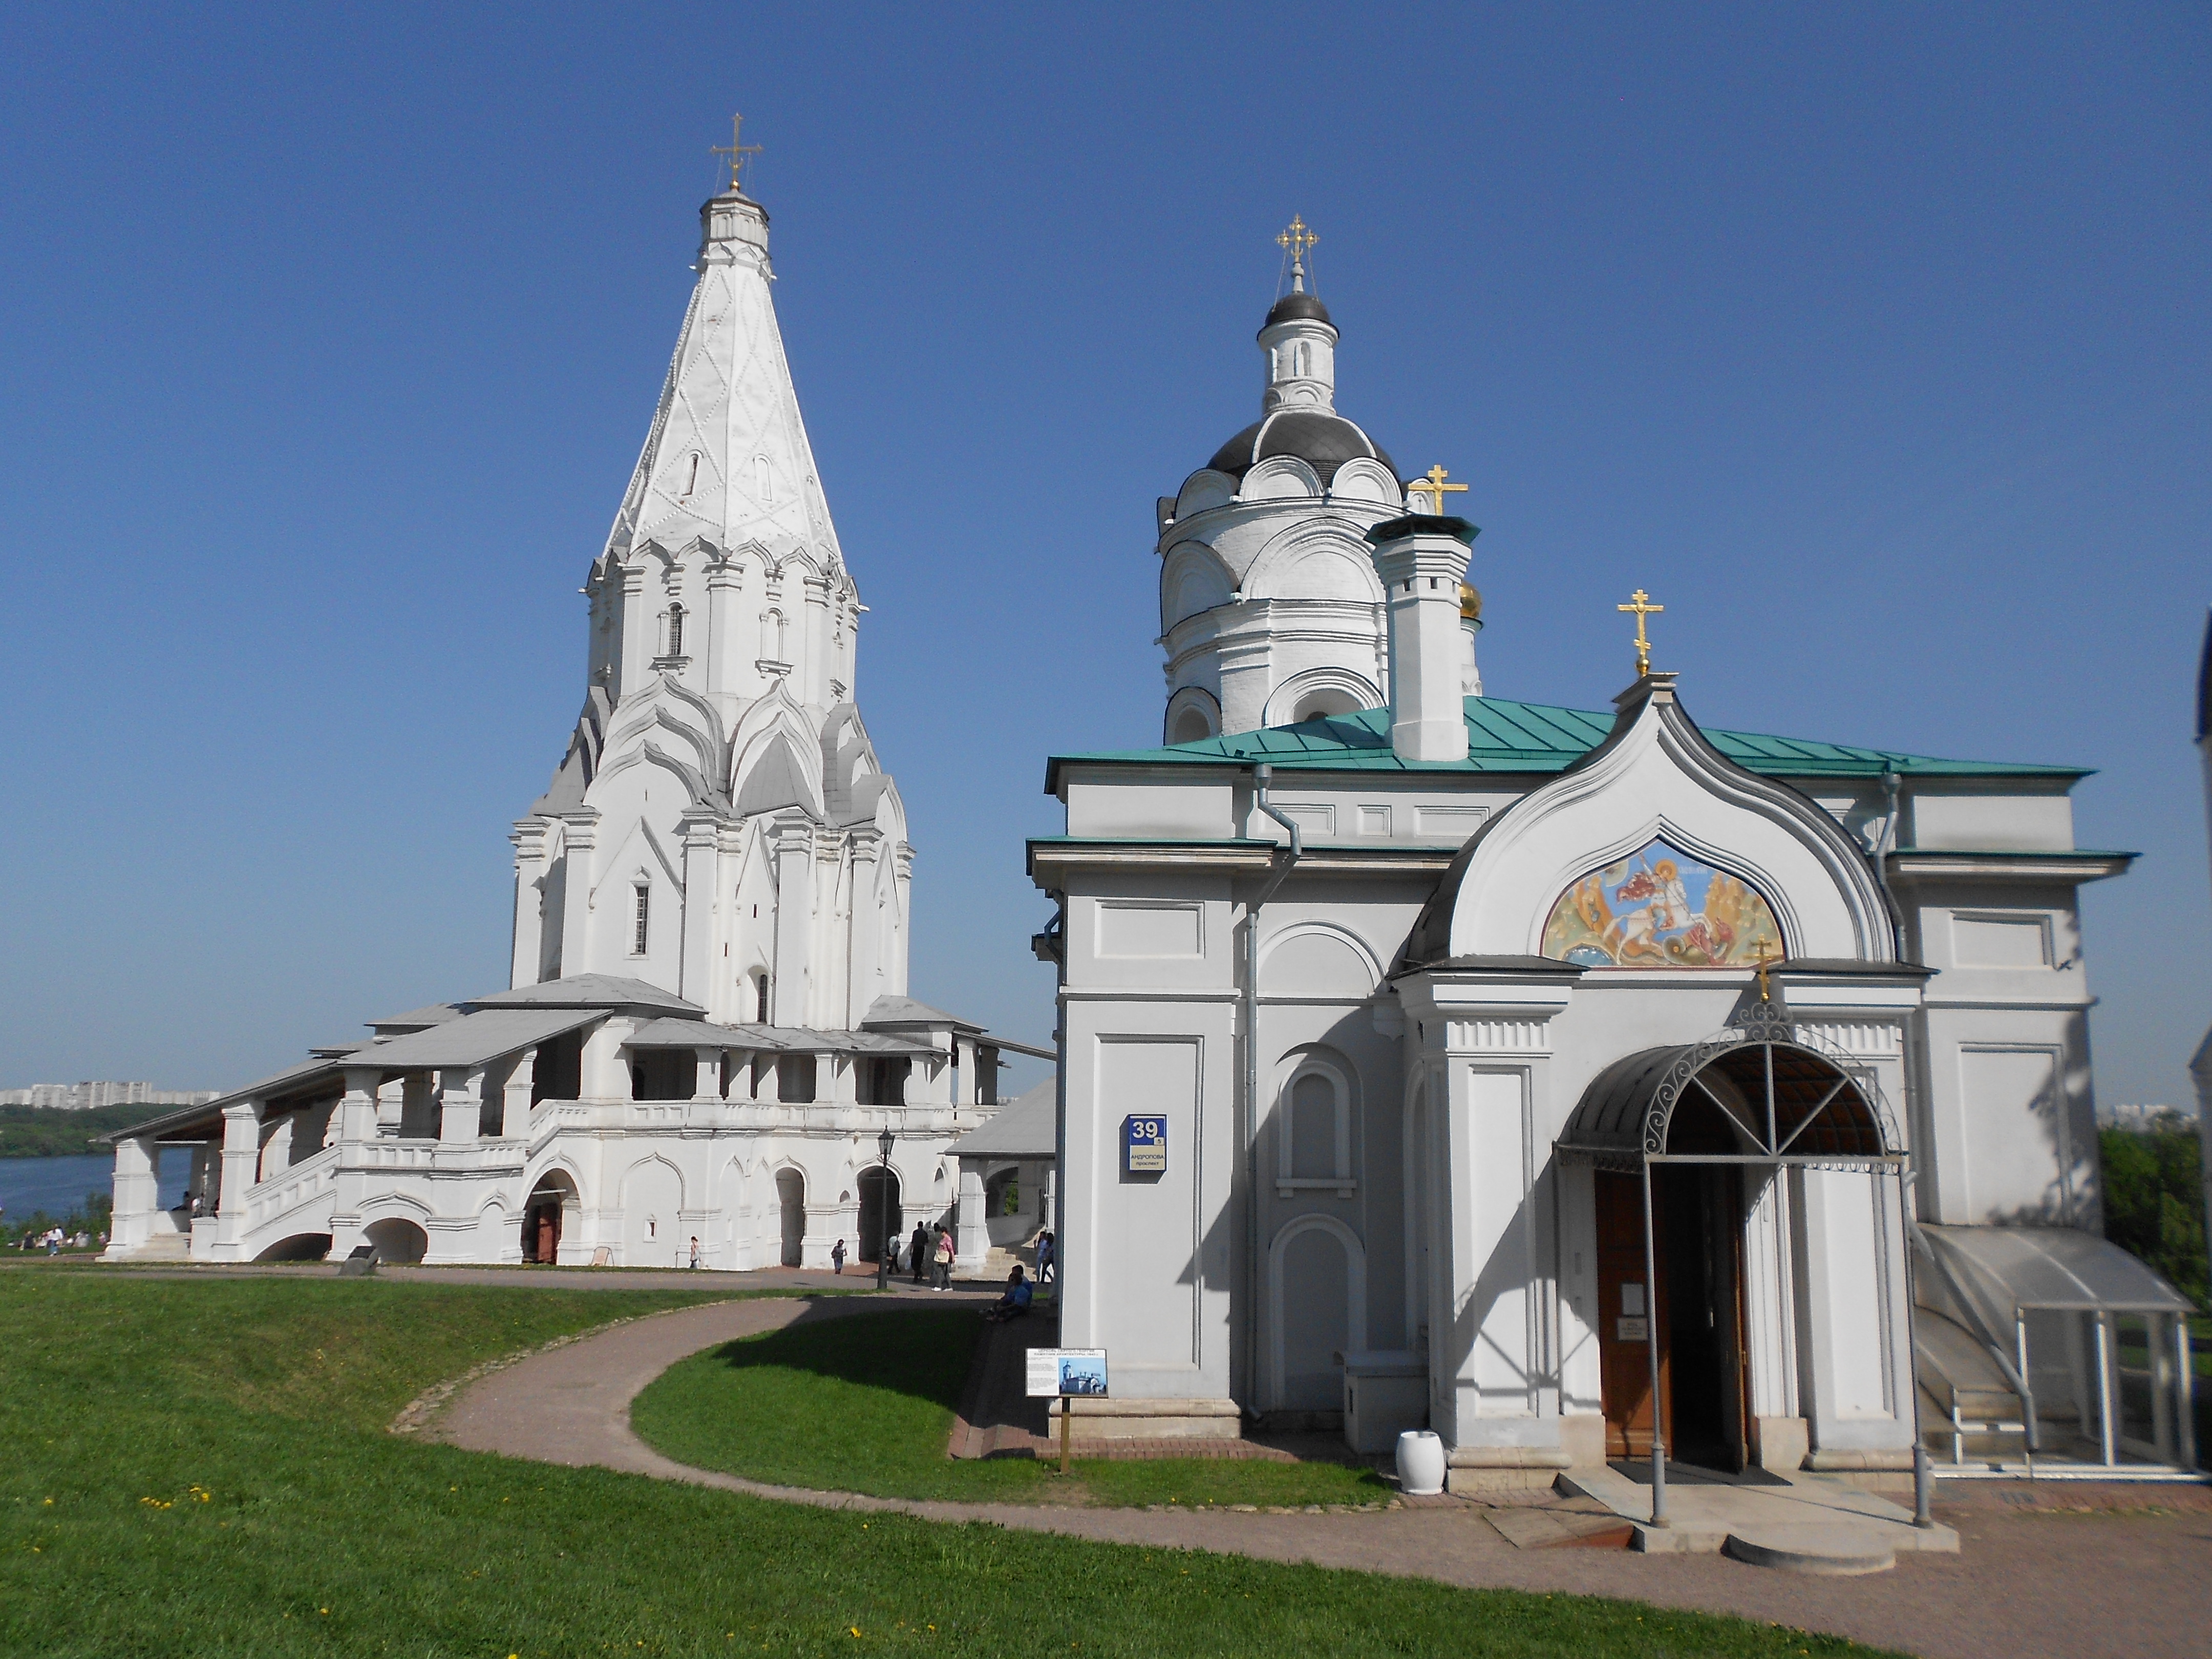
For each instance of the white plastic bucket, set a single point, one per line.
(1420, 1463)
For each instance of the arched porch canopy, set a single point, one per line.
(1756, 1094)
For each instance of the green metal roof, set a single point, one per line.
(1529, 737)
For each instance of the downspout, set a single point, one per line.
(1281, 868)
(1923, 1474)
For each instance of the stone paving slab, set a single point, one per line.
(2025, 1585)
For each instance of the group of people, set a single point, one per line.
(930, 1254)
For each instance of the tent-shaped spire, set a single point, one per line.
(727, 456)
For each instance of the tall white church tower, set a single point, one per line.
(721, 826)
(1270, 610)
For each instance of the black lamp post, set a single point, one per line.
(885, 1247)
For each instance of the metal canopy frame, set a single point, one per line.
(1625, 1121)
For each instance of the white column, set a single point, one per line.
(514, 1105)
(636, 634)
(460, 1105)
(1421, 563)
(724, 650)
(579, 840)
(137, 1195)
(707, 1086)
(813, 674)
(356, 1113)
(972, 1239)
(864, 954)
(530, 869)
(241, 1157)
(697, 831)
(605, 1071)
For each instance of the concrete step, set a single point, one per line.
(1833, 1549)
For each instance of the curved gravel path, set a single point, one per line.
(2073, 1587)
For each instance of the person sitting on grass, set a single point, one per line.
(1015, 1304)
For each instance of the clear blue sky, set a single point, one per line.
(1872, 340)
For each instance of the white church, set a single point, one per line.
(1433, 1058)
(706, 1037)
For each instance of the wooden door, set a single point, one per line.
(1625, 1305)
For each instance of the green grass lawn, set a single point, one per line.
(201, 1467)
(857, 1405)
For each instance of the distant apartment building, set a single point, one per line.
(83, 1097)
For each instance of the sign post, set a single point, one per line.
(1065, 1374)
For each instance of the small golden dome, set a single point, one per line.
(1470, 603)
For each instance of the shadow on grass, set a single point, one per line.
(925, 1357)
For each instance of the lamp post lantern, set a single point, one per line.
(888, 1242)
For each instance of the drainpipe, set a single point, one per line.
(1924, 1474)
(1282, 867)
(1890, 784)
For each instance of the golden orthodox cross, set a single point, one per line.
(1432, 485)
(1765, 993)
(1643, 608)
(1298, 239)
(738, 152)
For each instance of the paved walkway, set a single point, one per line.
(2077, 1586)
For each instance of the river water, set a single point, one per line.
(58, 1185)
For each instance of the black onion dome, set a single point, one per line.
(1322, 442)
(1296, 308)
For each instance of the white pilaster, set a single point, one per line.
(792, 840)
(529, 837)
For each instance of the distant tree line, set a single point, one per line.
(53, 1132)
(2154, 1200)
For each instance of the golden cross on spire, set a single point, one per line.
(1297, 239)
(738, 152)
(1643, 608)
(1432, 485)
(1766, 992)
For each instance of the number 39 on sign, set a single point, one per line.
(1144, 1144)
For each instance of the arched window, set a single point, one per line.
(760, 998)
(641, 921)
(772, 636)
(1304, 361)
(675, 630)
(1313, 1129)
(1191, 725)
(690, 477)
(764, 476)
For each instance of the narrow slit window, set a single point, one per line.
(643, 922)
(690, 477)
(675, 630)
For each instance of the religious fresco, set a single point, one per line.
(1661, 907)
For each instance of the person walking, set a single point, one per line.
(1044, 1257)
(695, 1250)
(837, 1258)
(943, 1257)
(918, 1247)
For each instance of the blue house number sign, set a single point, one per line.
(1145, 1146)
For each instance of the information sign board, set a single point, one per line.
(1145, 1144)
(1055, 1371)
